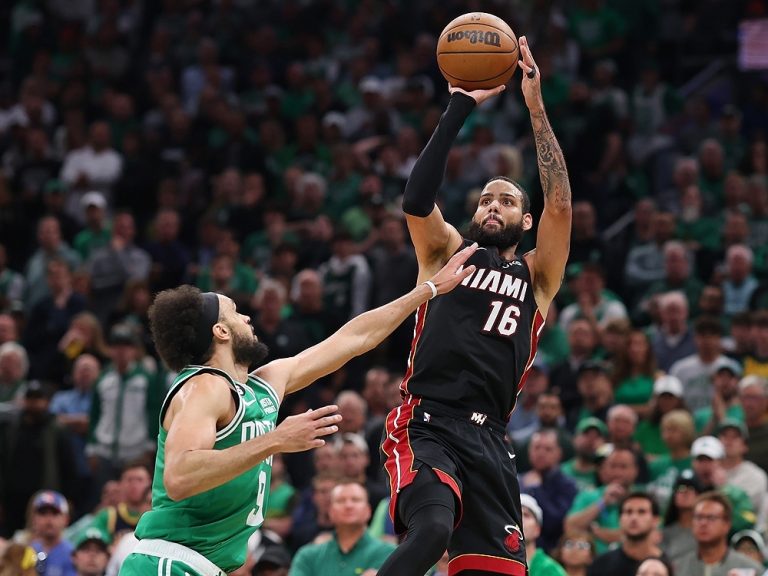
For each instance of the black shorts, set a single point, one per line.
(468, 453)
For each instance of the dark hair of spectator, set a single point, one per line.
(174, 318)
(637, 495)
(708, 326)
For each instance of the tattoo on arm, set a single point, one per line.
(552, 170)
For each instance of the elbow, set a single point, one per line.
(175, 486)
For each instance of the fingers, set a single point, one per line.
(324, 411)
(328, 420)
(466, 272)
(526, 62)
(326, 431)
(462, 256)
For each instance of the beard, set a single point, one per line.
(248, 351)
(637, 538)
(503, 238)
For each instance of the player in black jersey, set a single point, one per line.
(453, 477)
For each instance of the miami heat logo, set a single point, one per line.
(514, 538)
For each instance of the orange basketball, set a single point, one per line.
(477, 51)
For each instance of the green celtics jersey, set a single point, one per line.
(217, 523)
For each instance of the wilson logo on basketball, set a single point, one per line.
(476, 37)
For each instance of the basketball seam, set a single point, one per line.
(479, 79)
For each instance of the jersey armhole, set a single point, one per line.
(204, 370)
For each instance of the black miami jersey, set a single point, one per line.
(473, 346)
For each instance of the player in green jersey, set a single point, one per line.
(218, 434)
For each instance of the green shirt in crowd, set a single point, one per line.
(584, 480)
(327, 559)
(703, 416)
(542, 565)
(648, 435)
(634, 390)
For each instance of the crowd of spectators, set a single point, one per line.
(259, 148)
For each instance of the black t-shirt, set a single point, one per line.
(615, 563)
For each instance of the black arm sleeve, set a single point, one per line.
(427, 174)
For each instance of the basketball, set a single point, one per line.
(477, 51)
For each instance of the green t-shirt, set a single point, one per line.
(584, 480)
(218, 522)
(88, 240)
(634, 390)
(553, 345)
(608, 517)
(542, 565)
(327, 559)
(648, 435)
(702, 416)
(243, 280)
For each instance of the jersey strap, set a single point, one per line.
(196, 371)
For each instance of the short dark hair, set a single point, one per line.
(708, 326)
(526, 199)
(174, 318)
(637, 495)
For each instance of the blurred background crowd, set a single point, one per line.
(259, 148)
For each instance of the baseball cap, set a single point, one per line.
(708, 446)
(275, 556)
(592, 366)
(37, 389)
(335, 119)
(51, 499)
(93, 199)
(727, 364)
(752, 380)
(528, 501)
(753, 535)
(591, 423)
(668, 385)
(122, 334)
(735, 424)
(93, 534)
(371, 84)
(688, 478)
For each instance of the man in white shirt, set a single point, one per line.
(695, 371)
(96, 166)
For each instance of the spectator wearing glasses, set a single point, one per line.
(713, 556)
(575, 552)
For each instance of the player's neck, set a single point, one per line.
(223, 359)
(508, 253)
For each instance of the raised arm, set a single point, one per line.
(194, 416)
(553, 240)
(362, 333)
(433, 238)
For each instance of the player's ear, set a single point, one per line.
(527, 221)
(221, 331)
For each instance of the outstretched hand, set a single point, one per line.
(305, 431)
(453, 273)
(479, 96)
(531, 83)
